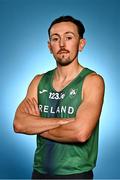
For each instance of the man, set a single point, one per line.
(63, 108)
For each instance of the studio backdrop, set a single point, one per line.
(24, 53)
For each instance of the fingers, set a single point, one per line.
(31, 106)
(35, 106)
(23, 108)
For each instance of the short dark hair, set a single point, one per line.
(78, 23)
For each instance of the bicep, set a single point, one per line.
(31, 93)
(21, 110)
(32, 89)
(90, 109)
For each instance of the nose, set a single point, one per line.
(62, 42)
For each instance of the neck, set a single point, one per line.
(65, 73)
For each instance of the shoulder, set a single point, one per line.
(36, 79)
(93, 83)
(32, 88)
(95, 79)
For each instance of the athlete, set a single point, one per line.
(62, 107)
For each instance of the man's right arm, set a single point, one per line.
(27, 118)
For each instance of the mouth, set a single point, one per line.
(62, 52)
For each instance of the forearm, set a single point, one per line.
(30, 124)
(65, 133)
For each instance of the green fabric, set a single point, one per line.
(62, 158)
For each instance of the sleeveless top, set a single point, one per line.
(63, 158)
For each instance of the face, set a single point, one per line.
(65, 42)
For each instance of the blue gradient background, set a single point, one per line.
(24, 53)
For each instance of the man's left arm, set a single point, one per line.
(87, 115)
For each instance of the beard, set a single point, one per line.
(65, 60)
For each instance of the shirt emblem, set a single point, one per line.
(73, 93)
(43, 91)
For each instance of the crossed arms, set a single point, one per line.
(28, 120)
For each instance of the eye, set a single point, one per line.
(68, 38)
(54, 39)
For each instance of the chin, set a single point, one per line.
(64, 63)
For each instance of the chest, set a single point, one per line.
(60, 85)
(63, 103)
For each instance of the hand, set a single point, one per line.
(31, 107)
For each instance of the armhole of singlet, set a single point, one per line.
(93, 72)
(44, 76)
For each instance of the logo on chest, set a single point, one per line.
(73, 92)
(43, 91)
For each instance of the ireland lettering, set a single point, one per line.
(58, 110)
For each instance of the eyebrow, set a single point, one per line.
(68, 32)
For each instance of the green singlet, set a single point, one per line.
(63, 158)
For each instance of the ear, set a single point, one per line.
(49, 46)
(82, 44)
